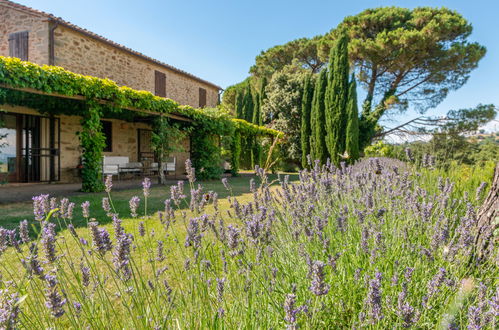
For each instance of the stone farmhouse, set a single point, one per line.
(46, 148)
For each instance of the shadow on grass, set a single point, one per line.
(12, 214)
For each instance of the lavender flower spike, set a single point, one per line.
(24, 231)
(40, 206)
(48, 241)
(134, 205)
(318, 287)
(190, 171)
(53, 299)
(146, 185)
(9, 309)
(108, 184)
(373, 300)
(85, 209)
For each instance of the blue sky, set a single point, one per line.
(218, 40)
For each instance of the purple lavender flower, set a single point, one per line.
(53, 300)
(436, 282)
(106, 206)
(32, 264)
(53, 206)
(494, 304)
(108, 184)
(214, 198)
(408, 314)
(160, 251)
(408, 273)
(289, 310)
(85, 209)
(66, 209)
(134, 205)
(121, 256)
(190, 171)
(100, 238)
(142, 229)
(408, 153)
(318, 286)
(220, 288)
(24, 231)
(233, 239)
(479, 190)
(373, 300)
(48, 241)
(193, 234)
(77, 307)
(475, 321)
(9, 237)
(146, 185)
(85, 275)
(40, 206)
(9, 309)
(118, 227)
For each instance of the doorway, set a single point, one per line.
(29, 148)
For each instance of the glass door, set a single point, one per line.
(29, 148)
(9, 169)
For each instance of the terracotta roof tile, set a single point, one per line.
(103, 39)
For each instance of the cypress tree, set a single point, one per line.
(247, 114)
(306, 108)
(336, 99)
(256, 111)
(262, 95)
(239, 104)
(352, 135)
(318, 148)
(248, 105)
(256, 151)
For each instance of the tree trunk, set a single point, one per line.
(161, 172)
(486, 241)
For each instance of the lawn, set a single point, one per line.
(12, 214)
(377, 245)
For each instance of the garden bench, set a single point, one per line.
(171, 166)
(117, 165)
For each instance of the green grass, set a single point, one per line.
(11, 214)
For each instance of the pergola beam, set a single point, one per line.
(104, 102)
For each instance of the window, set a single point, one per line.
(107, 130)
(159, 84)
(18, 45)
(202, 97)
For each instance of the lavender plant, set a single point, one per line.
(378, 244)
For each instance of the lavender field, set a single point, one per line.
(380, 244)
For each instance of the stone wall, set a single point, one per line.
(13, 20)
(85, 55)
